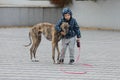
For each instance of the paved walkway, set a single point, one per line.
(99, 57)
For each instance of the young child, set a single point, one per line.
(69, 38)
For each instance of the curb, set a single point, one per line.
(82, 28)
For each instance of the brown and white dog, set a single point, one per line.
(48, 30)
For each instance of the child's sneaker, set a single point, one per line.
(71, 61)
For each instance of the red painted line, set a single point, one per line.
(78, 58)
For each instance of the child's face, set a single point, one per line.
(67, 16)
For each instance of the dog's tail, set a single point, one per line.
(30, 41)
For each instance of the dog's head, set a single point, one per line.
(65, 27)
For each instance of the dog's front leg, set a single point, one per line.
(53, 51)
(58, 52)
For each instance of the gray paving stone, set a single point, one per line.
(99, 57)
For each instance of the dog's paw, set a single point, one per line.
(35, 60)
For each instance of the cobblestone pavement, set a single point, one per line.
(99, 57)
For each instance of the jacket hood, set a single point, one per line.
(66, 11)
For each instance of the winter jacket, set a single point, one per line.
(73, 28)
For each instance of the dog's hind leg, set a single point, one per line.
(31, 52)
(35, 49)
(32, 49)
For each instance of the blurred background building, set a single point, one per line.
(100, 14)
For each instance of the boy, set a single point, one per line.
(69, 38)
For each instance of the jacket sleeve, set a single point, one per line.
(77, 29)
(57, 27)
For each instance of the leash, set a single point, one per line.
(78, 58)
(76, 61)
(66, 72)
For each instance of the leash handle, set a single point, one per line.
(78, 44)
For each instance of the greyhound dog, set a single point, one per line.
(48, 30)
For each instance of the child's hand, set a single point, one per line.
(78, 42)
(78, 39)
(63, 33)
